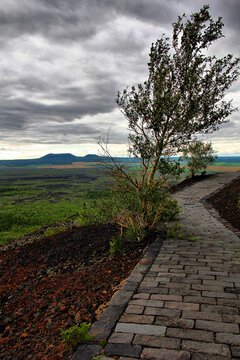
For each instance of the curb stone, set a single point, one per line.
(103, 327)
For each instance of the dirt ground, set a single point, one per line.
(224, 168)
(226, 202)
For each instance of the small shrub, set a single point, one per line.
(116, 245)
(198, 156)
(75, 335)
(53, 230)
(135, 233)
(175, 231)
(192, 238)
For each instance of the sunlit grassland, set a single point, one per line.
(32, 198)
(224, 163)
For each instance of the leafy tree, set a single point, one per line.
(198, 156)
(182, 97)
(183, 94)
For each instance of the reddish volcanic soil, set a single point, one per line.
(56, 283)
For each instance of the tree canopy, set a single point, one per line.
(184, 93)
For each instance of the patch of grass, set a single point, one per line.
(34, 198)
(75, 335)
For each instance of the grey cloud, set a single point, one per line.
(59, 20)
(74, 30)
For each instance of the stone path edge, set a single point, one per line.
(214, 213)
(104, 326)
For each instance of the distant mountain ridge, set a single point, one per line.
(68, 159)
(61, 159)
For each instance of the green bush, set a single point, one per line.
(52, 230)
(116, 246)
(75, 335)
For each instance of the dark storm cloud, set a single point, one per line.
(61, 20)
(65, 60)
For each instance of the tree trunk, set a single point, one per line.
(154, 168)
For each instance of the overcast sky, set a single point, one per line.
(62, 62)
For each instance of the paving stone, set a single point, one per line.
(219, 309)
(208, 348)
(214, 273)
(156, 303)
(234, 319)
(218, 283)
(181, 305)
(86, 352)
(129, 286)
(217, 326)
(162, 312)
(183, 292)
(199, 335)
(164, 354)
(105, 324)
(162, 290)
(134, 309)
(219, 294)
(174, 322)
(135, 276)
(121, 338)
(164, 280)
(200, 300)
(146, 260)
(166, 297)
(208, 287)
(141, 296)
(228, 302)
(235, 351)
(157, 341)
(129, 350)
(137, 319)
(121, 298)
(179, 286)
(201, 356)
(201, 315)
(141, 329)
(228, 338)
(150, 284)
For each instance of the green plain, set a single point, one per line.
(31, 197)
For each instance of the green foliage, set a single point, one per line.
(52, 230)
(140, 210)
(175, 231)
(170, 168)
(116, 246)
(192, 238)
(183, 94)
(34, 198)
(75, 335)
(198, 156)
(103, 342)
(135, 232)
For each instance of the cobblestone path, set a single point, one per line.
(182, 302)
